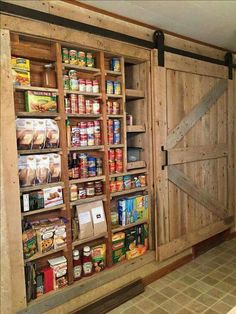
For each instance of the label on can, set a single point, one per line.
(65, 55)
(95, 86)
(96, 107)
(67, 105)
(112, 167)
(109, 87)
(117, 88)
(118, 154)
(111, 155)
(116, 138)
(73, 56)
(115, 64)
(81, 104)
(81, 58)
(119, 166)
(66, 82)
(82, 86)
(88, 86)
(74, 84)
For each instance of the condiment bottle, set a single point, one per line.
(68, 131)
(87, 262)
(75, 167)
(77, 265)
(49, 76)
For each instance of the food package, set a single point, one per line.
(52, 196)
(118, 247)
(52, 134)
(42, 169)
(54, 167)
(39, 126)
(29, 243)
(138, 251)
(40, 101)
(30, 281)
(36, 200)
(85, 221)
(122, 212)
(130, 239)
(60, 235)
(20, 77)
(45, 235)
(27, 170)
(24, 133)
(20, 64)
(98, 217)
(99, 257)
(59, 266)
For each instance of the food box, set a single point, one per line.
(130, 239)
(29, 243)
(99, 257)
(59, 266)
(40, 101)
(45, 236)
(138, 251)
(36, 200)
(20, 78)
(60, 235)
(53, 196)
(118, 247)
(20, 64)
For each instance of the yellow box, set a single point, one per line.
(20, 64)
(21, 78)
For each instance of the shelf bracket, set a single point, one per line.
(159, 39)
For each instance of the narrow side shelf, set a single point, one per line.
(36, 114)
(87, 240)
(36, 88)
(86, 148)
(128, 191)
(82, 93)
(135, 129)
(40, 255)
(136, 165)
(120, 228)
(132, 94)
(87, 179)
(77, 115)
(81, 69)
(39, 151)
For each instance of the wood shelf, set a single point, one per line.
(42, 210)
(41, 186)
(114, 96)
(135, 171)
(116, 146)
(136, 164)
(39, 151)
(113, 73)
(41, 255)
(132, 94)
(89, 200)
(36, 114)
(114, 116)
(121, 228)
(77, 115)
(89, 179)
(98, 147)
(135, 129)
(82, 93)
(81, 69)
(36, 88)
(87, 240)
(114, 194)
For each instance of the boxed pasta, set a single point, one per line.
(40, 101)
(27, 170)
(24, 133)
(39, 126)
(54, 167)
(118, 247)
(42, 169)
(52, 134)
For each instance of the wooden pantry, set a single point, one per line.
(118, 166)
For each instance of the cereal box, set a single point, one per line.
(40, 101)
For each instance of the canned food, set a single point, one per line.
(81, 104)
(91, 140)
(88, 86)
(82, 86)
(109, 107)
(119, 186)
(65, 55)
(111, 155)
(91, 161)
(112, 185)
(142, 179)
(74, 86)
(118, 154)
(73, 103)
(83, 139)
(67, 105)
(99, 171)
(115, 107)
(92, 171)
(81, 58)
(96, 107)
(81, 192)
(97, 127)
(75, 136)
(98, 187)
(116, 138)
(110, 139)
(109, 87)
(89, 106)
(119, 166)
(73, 56)
(115, 64)
(90, 127)
(89, 60)
(73, 192)
(99, 162)
(73, 74)
(97, 139)
(83, 127)
(117, 88)
(66, 82)
(112, 167)
(116, 126)
(90, 189)
(95, 86)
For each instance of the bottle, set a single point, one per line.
(77, 265)
(49, 76)
(75, 167)
(70, 166)
(87, 262)
(68, 133)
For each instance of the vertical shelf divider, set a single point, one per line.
(124, 114)
(64, 159)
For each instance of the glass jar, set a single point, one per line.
(90, 189)
(49, 76)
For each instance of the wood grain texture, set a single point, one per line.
(195, 114)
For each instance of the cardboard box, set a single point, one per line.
(36, 200)
(118, 247)
(40, 101)
(53, 196)
(20, 78)
(20, 64)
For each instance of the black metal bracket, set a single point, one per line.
(229, 64)
(166, 157)
(159, 39)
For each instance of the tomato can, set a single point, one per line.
(119, 166)
(67, 105)
(88, 86)
(96, 107)
(81, 104)
(74, 103)
(112, 167)
(109, 87)
(110, 138)
(65, 55)
(118, 154)
(95, 86)
(115, 107)
(82, 86)
(89, 60)
(83, 127)
(117, 88)
(73, 56)
(97, 127)
(89, 106)
(90, 127)
(115, 65)
(91, 140)
(111, 155)
(81, 58)
(66, 82)
(83, 139)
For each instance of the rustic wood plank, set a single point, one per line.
(12, 265)
(195, 114)
(182, 243)
(187, 185)
(196, 153)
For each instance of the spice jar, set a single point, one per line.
(98, 187)
(49, 76)
(90, 189)
(87, 261)
(81, 192)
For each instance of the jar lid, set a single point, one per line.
(86, 249)
(76, 253)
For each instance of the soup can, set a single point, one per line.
(97, 139)
(73, 56)
(67, 105)
(66, 82)
(81, 104)
(109, 107)
(110, 138)
(83, 139)
(116, 138)
(119, 167)
(118, 154)
(115, 64)
(74, 86)
(90, 127)
(89, 106)
(109, 87)
(117, 88)
(111, 155)
(82, 86)
(97, 127)
(74, 103)
(81, 58)
(115, 107)
(83, 127)
(88, 86)
(65, 55)
(91, 140)
(96, 107)
(112, 167)
(75, 136)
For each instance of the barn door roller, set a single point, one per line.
(159, 39)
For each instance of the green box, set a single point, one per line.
(40, 101)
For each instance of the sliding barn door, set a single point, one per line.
(193, 150)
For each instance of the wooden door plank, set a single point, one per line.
(188, 186)
(195, 114)
(196, 153)
(182, 243)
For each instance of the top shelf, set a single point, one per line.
(132, 94)
(36, 88)
(81, 69)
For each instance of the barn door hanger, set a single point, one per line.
(229, 64)
(159, 39)
(165, 158)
